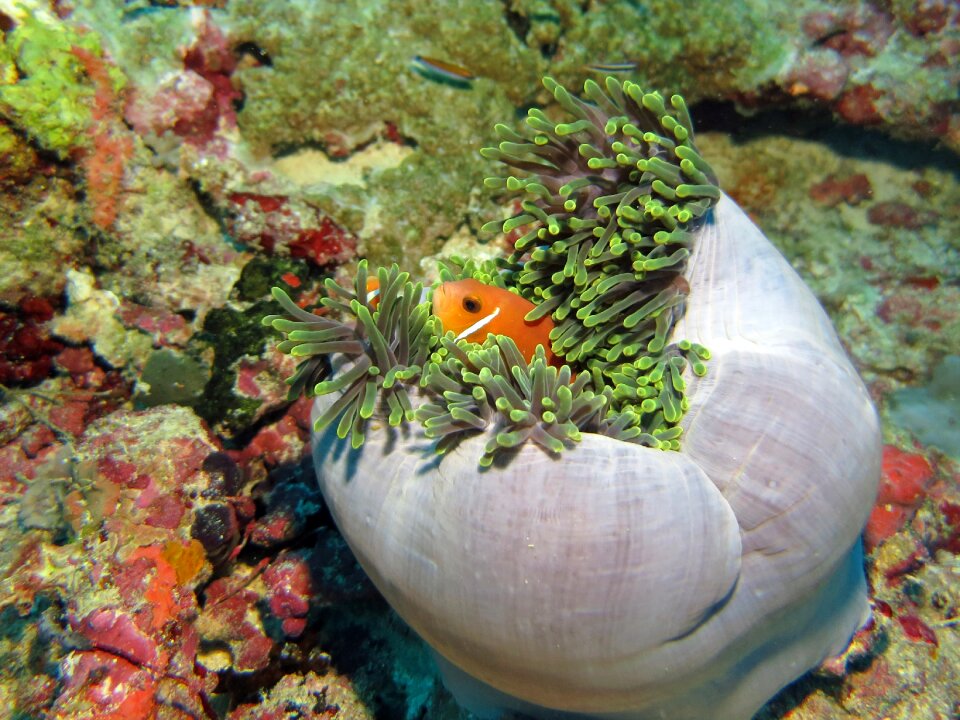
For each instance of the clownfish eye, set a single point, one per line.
(471, 304)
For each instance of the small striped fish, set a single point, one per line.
(442, 71)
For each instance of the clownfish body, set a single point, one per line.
(373, 292)
(473, 310)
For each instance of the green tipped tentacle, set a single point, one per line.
(384, 346)
(503, 394)
(604, 255)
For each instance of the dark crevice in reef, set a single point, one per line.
(209, 206)
(548, 50)
(250, 49)
(819, 125)
(286, 149)
(339, 633)
(794, 694)
(520, 114)
(521, 24)
(518, 23)
(239, 102)
(245, 435)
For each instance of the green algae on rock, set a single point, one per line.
(371, 91)
(43, 89)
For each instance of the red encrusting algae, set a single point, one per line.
(905, 477)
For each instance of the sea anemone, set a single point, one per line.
(556, 559)
(615, 198)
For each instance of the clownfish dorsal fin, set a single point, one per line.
(486, 319)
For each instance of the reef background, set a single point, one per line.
(163, 549)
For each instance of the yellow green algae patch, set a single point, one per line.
(44, 90)
(39, 236)
(44, 106)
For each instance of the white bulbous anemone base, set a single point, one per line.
(618, 581)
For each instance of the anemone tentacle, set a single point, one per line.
(384, 347)
(476, 387)
(611, 203)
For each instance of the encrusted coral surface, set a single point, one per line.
(163, 550)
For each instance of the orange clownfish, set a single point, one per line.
(473, 310)
(373, 292)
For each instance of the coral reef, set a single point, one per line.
(408, 133)
(164, 164)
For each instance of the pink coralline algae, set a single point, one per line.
(284, 225)
(912, 491)
(917, 630)
(898, 214)
(847, 59)
(929, 16)
(34, 427)
(851, 189)
(146, 507)
(289, 590)
(228, 618)
(905, 645)
(127, 579)
(916, 310)
(282, 441)
(99, 684)
(821, 73)
(165, 327)
(116, 633)
(141, 645)
(210, 59)
(137, 653)
(949, 538)
(864, 31)
(858, 105)
(197, 102)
